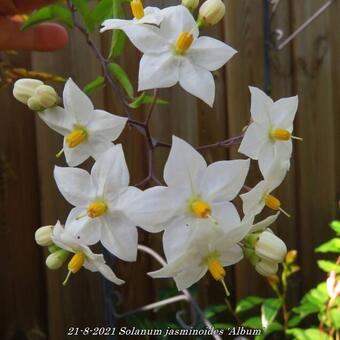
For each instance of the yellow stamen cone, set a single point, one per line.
(201, 209)
(280, 134)
(216, 269)
(274, 203)
(75, 264)
(76, 137)
(96, 209)
(137, 9)
(183, 42)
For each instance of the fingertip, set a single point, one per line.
(49, 37)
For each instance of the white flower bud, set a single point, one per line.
(270, 247)
(24, 89)
(43, 236)
(211, 12)
(55, 260)
(190, 4)
(266, 268)
(46, 95)
(34, 104)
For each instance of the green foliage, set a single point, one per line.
(308, 334)
(50, 13)
(118, 36)
(122, 78)
(328, 266)
(332, 246)
(145, 99)
(248, 303)
(94, 85)
(269, 311)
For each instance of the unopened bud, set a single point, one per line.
(191, 5)
(46, 96)
(291, 257)
(43, 236)
(55, 260)
(211, 12)
(270, 247)
(34, 104)
(266, 268)
(24, 89)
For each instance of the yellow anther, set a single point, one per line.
(76, 262)
(96, 209)
(137, 9)
(280, 134)
(183, 42)
(272, 202)
(76, 137)
(201, 209)
(216, 269)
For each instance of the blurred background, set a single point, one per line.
(34, 304)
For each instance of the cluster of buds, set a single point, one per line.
(57, 256)
(265, 251)
(35, 94)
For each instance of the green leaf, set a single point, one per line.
(214, 310)
(95, 84)
(218, 325)
(145, 99)
(272, 328)
(307, 334)
(335, 317)
(50, 13)
(248, 303)
(122, 77)
(118, 37)
(335, 225)
(294, 321)
(85, 12)
(269, 310)
(102, 11)
(306, 309)
(328, 266)
(332, 246)
(253, 322)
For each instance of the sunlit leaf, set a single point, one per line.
(328, 266)
(95, 84)
(332, 246)
(122, 77)
(248, 303)
(269, 310)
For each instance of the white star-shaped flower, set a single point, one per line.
(194, 192)
(83, 256)
(260, 196)
(174, 53)
(209, 249)
(101, 200)
(88, 132)
(269, 136)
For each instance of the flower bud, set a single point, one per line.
(46, 96)
(43, 236)
(24, 89)
(270, 247)
(55, 260)
(291, 257)
(191, 5)
(266, 268)
(34, 104)
(211, 12)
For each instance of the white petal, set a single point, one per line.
(152, 15)
(58, 120)
(197, 81)
(190, 276)
(110, 172)
(76, 102)
(124, 202)
(158, 71)
(231, 255)
(265, 223)
(97, 145)
(184, 166)
(176, 20)
(261, 105)
(120, 237)
(253, 202)
(226, 214)
(255, 137)
(153, 209)
(266, 158)
(77, 155)
(107, 125)
(210, 53)
(283, 113)
(224, 179)
(75, 185)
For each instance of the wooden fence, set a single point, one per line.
(34, 304)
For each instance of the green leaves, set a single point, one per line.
(95, 84)
(269, 310)
(308, 334)
(332, 246)
(118, 36)
(145, 99)
(122, 78)
(335, 225)
(214, 310)
(248, 303)
(328, 266)
(50, 13)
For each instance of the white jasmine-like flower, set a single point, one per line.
(25, 88)
(194, 192)
(174, 53)
(269, 247)
(209, 249)
(88, 132)
(43, 236)
(269, 136)
(211, 12)
(266, 268)
(83, 256)
(101, 200)
(260, 196)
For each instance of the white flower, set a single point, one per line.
(194, 191)
(88, 132)
(25, 88)
(269, 247)
(101, 200)
(209, 249)
(266, 268)
(211, 12)
(260, 196)
(83, 257)
(269, 136)
(174, 53)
